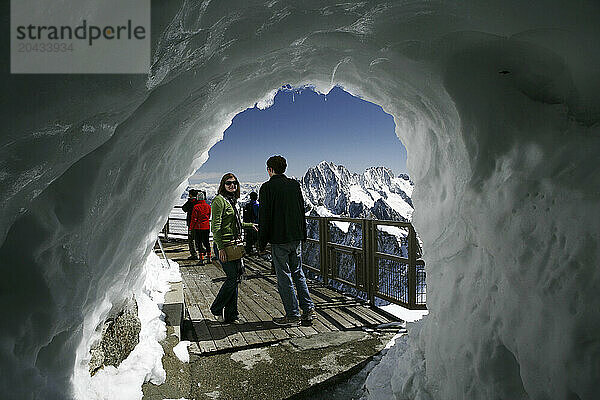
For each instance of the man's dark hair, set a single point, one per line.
(193, 193)
(277, 163)
(253, 196)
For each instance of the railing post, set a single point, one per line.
(372, 270)
(367, 257)
(324, 256)
(327, 250)
(364, 261)
(321, 255)
(166, 228)
(412, 268)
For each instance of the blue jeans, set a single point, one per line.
(227, 297)
(287, 259)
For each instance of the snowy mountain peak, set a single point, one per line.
(405, 177)
(327, 184)
(328, 170)
(377, 177)
(376, 193)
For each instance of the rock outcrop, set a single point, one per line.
(120, 335)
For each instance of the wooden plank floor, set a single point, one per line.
(258, 304)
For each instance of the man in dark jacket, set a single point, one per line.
(282, 223)
(251, 215)
(187, 208)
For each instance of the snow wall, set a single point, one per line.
(497, 103)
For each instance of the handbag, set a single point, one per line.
(234, 251)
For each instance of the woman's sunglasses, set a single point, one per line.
(230, 183)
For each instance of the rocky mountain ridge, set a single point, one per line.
(375, 194)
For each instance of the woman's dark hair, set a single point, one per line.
(277, 163)
(223, 192)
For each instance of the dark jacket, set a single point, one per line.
(251, 211)
(281, 212)
(187, 208)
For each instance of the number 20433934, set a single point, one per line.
(58, 47)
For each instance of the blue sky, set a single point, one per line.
(306, 128)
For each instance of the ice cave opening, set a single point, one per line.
(349, 161)
(505, 170)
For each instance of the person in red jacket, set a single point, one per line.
(187, 208)
(200, 225)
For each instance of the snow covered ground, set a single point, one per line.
(404, 313)
(144, 363)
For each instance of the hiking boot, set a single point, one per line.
(237, 321)
(287, 321)
(309, 315)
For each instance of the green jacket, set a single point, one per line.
(222, 222)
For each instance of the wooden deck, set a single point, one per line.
(258, 304)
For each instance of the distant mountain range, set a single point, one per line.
(332, 190)
(376, 193)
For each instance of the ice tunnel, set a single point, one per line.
(497, 103)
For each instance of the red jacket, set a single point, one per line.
(200, 216)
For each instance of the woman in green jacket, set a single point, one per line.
(227, 228)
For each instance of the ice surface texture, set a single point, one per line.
(496, 102)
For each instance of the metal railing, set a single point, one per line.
(390, 277)
(395, 278)
(175, 225)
